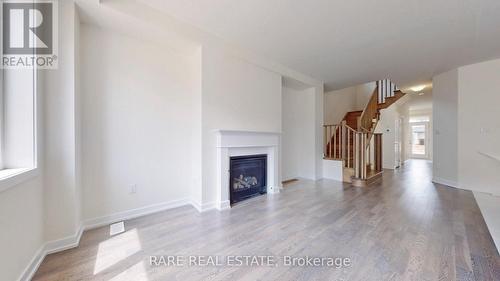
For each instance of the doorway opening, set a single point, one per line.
(419, 137)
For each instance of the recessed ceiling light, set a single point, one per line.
(418, 88)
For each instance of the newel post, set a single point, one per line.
(378, 152)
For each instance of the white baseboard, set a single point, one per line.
(49, 248)
(225, 205)
(445, 182)
(32, 267)
(196, 205)
(274, 190)
(134, 213)
(65, 243)
(202, 207)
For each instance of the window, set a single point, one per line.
(18, 113)
(1, 117)
(17, 126)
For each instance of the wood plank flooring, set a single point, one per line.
(403, 228)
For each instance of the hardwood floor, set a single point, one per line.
(404, 228)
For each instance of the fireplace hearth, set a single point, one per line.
(247, 177)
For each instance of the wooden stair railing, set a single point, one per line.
(370, 113)
(354, 140)
(339, 143)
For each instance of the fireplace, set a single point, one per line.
(247, 177)
(231, 143)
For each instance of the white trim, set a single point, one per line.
(224, 205)
(202, 207)
(208, 206)
(134, 213)
(454, 184)
(32, 267)
(196, 205)
(2, 125)
(274, 189)
(489, 207)
(238, 143)
(489, 155)
(66, 243)
(222, 131)
(50, 248)
(445, 182)
(12, 177)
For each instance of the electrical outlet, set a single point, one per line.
(133, 188)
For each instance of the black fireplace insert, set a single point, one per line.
(247, 177)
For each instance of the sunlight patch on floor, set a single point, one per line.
(116, 249)
(138, 271)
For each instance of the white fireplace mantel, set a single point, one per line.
(241, 143)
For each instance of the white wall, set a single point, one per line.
(333, 170)
(338, 103)
(196, 132)
(21, 224)
(237, 95)
(466, 127)
(61, 197)
(445, 123)
(363, 94)
(78, 118)
(479, 127)
(298, 134)
(138, 123)
(387, 127)
(319, 106)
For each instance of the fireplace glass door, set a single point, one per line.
(248, 176)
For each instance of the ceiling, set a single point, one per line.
(419, 102)
(346, 43)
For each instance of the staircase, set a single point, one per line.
(354, 140)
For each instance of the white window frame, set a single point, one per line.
(1, 118)
(13, 176)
